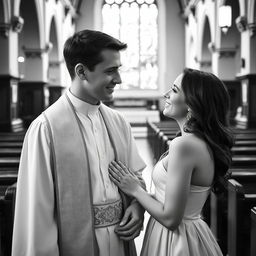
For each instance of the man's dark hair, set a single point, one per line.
(86, 46)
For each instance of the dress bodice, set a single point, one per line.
(196, 198)
(192, 237)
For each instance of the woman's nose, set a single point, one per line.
(167, 95)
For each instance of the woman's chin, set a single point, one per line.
(167, 114)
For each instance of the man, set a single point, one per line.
(66, 203)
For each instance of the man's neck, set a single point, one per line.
(77, 91)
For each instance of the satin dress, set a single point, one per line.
(193, 237)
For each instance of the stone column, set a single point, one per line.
(55, 87)
(247, 117)
(33, 96)
(32, 100)
(9, 120)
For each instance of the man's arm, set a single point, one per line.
(35, 230)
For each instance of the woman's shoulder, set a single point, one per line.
(181, 146)
(189, 144)
(195, 152)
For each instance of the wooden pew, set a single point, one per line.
(161, 133)
(10, 152)
(244, 150)
(9, 162)
(243, 168)
(241, 198)
(7, 206)
(13, 133)
(253, 231)
(11, 144)
(8, 177)
(242, 156)
(251, 142)
(244, 161)
(219, 205)
(247, 131)
(16, 138)
(244, 136)
(10, 149)
(156, 135)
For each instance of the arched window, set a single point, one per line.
(135, 22)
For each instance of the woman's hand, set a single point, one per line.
(125, 179)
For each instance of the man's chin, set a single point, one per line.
(109, 97)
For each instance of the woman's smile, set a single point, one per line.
(167, 104)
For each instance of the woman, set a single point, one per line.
(184, 176)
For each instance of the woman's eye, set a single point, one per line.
(174, 90)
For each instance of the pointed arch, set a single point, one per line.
(252, 11)
(252, 22)
(29, 43)
(204, 57)
(191, 52)
(30, 35)
(5, 11)
(230, 43)
(38, 10)
(241, 3)
(54, 63)
(206, 26)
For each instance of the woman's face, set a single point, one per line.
(175, 106)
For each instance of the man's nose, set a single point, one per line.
(117, 79)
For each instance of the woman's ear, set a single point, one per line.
(80, 71)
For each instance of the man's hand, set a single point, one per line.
(132, 222)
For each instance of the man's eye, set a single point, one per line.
(110, 71)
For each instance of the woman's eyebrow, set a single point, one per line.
(176, 87)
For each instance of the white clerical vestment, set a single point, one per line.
(35, 228)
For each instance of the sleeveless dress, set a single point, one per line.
(193, 237)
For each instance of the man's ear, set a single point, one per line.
(81, 71)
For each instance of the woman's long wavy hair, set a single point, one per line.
(208, 100)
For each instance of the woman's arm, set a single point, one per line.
(180, 167)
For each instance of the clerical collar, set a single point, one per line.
(82, 106)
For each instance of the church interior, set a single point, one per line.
(163, 38)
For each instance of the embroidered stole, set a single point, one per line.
(72, 179)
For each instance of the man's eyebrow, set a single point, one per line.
(113, 67)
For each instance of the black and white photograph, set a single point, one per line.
(127, 127)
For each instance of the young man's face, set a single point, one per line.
(105, 76)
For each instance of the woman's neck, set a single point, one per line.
(181, 123)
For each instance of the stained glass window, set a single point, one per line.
(135, 23)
